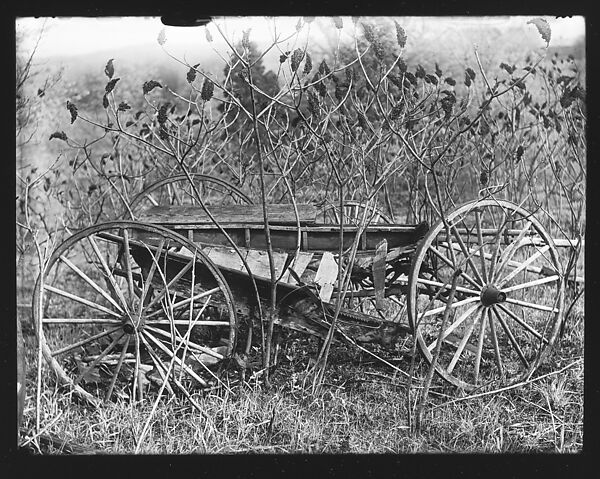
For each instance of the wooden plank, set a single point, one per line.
(299, 266)
(225, 214)
(258, 261)
(223, 256)
(379, 274)
(326, 276)
(314, 238)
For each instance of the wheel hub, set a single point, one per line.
(130, 328)
(491, 295)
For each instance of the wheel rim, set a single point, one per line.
(126, 305)
(176, 190)
(515, 289)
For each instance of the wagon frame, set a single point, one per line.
(161, 300)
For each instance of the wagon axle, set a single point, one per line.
(491, 295)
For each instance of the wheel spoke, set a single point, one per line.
(440, 255)
(511, 249)
(111, 279)
(81, 300)
(104, 321)
(158, 364)
(441, 309)
(83, 342)
(89, 281)
(191, 344)
(455, 325)
(187, 301)
(522, 266)
(117, 370)
(481, 256)
(496, 249)
(468, 254)
(511, 337)
(175, 358)
(127, 261)
(525, 304)
(100, 357)
(523, 323)
(445, 286)
(536, 282)
(151, 199)
(185, 322)
(461, 346)
(480, 345)
(495, 343)
(168, 287)
(150, 276)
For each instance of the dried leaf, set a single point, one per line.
(307, 64)
(162, 113)
(109, 69)
(297, 57)
(324, 68)
(61, 135)
(111, 85)
(207, 90)
(150, 85)
(123, 106)
(162, 37)
(483, 178)
(209, 37)
(543, 28)
(105, 101)
(246, 39)
(400, 35)
(73, 110)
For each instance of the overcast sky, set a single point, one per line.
(77, 35)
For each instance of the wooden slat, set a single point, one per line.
(326, 276)
(379, 274)
(247, 214)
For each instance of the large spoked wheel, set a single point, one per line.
(508, 302)
(125, 306)
(177, 190)
(353, 213)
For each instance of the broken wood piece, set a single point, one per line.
(326, 276)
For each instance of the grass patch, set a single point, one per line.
(361, 408)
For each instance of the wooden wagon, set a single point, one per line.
(168, 299)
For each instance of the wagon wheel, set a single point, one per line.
(353, 212)
(508, 302)
(125, 305)
(176, 190)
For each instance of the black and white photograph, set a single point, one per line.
(286, 235)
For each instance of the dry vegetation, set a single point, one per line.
(513, 131)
